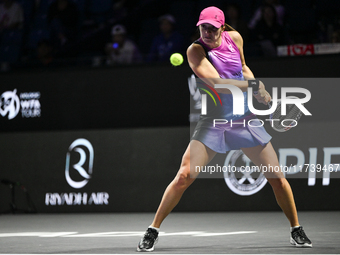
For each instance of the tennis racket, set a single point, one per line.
(284, 123)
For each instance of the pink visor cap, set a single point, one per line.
(213, 16)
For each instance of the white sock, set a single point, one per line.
(292, 228)
(154, 228)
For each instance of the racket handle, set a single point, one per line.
(255, 84)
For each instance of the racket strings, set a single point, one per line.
(293, 114)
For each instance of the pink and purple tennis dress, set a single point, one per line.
(225, 137)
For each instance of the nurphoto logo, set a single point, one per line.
(239, 104)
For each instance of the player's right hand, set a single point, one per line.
(263, 96)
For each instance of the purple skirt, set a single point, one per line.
(225, 137)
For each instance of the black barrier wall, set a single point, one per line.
(128, 97)
(131, 168)
(105, 98)
(111, 140)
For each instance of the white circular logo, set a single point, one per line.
(9, 104)
(243, 177)
(78, 146)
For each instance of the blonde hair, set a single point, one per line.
(227, 27)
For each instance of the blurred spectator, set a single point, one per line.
(120, 9)
(280, 13)
(63, 17)
(44, 53)
(335, 38)
(11, 15)
(99, 11)
(167, 42)
(121, 50)
(268, 32)
(233, 19)
(11, 23)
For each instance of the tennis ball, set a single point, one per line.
(176, 59)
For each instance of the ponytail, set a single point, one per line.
(227, 27)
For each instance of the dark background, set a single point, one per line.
(147, 96)
(134, 166)
(136, 118)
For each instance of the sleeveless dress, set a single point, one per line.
(225, 137)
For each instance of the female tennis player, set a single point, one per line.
(219, 53)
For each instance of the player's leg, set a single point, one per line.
(197, 154)
(266, 156)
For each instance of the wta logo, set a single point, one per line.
(28, 103)
(9, 104)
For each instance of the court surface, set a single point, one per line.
(182, 233)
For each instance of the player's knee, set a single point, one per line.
(182, 180)
(278, 183)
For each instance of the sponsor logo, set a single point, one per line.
(78, 147)
(242, 177)
(73, 198)
(300, 49)
(78, 172)
(28, 102)
(312, 168)
(9, 104)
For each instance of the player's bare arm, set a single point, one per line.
(207, 72)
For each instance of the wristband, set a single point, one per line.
(255, 84)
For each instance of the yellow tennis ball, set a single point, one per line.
(176, 59)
